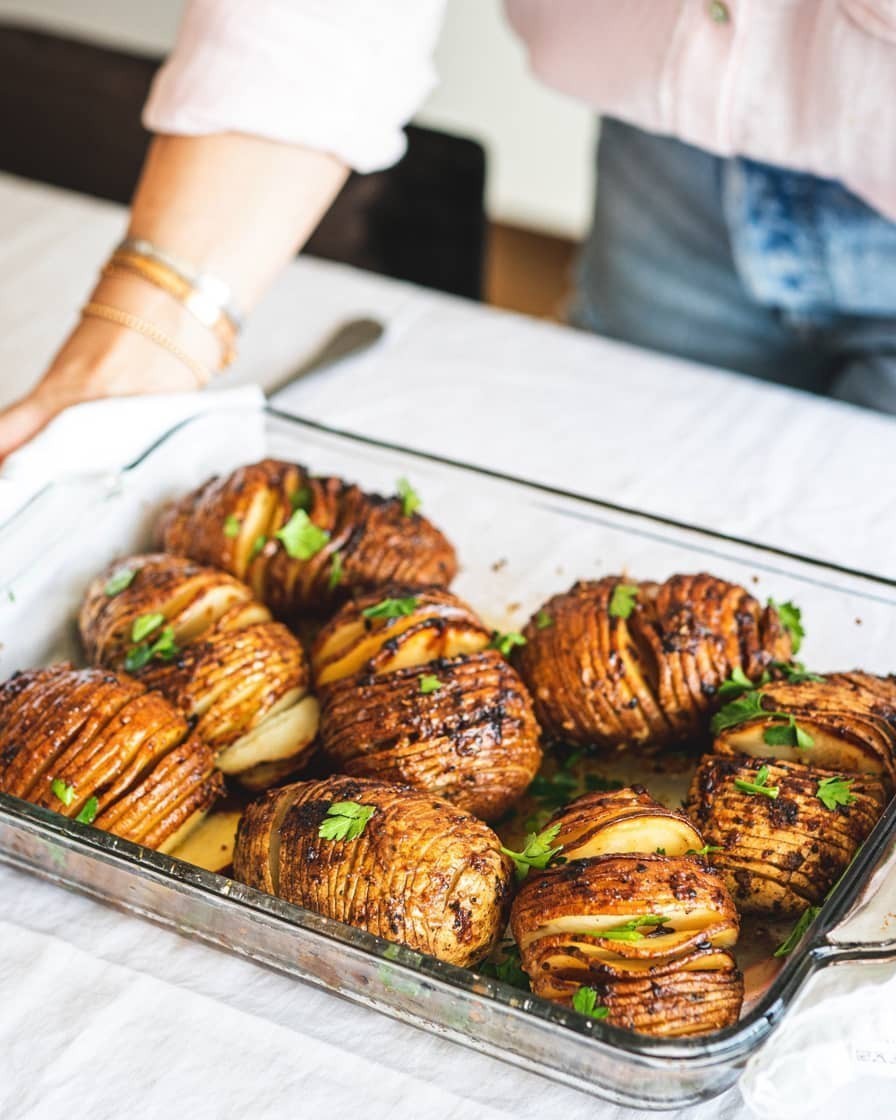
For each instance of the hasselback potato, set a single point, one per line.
(420, 871)
(785, 832)
(300, 542)
(845, 722)
(623, 821)
(410, 693)
(98, 746)
(202, 639)
(613, 664)
(649, 934)
(394, 627)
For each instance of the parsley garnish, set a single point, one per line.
(792, 621)
(410, 499)
(164, 647)
(145, 624)
(749, 707)
(789, 734)
(585, 1002)
(746, 707)
(232, 526)
(335, 577)
(301, 538)
(257, 545)
(537, 851)
(89, 812)
(120, 579)
(392, 608)
(736, 685)
(509, 970)
(429, 683)
(66, 794)
(543, 620)
(345, 820)
(622, 601)
(704, 851)
(759, 786)
(506, 642)
(630, 930)
(832, 792)
(795, 936)
(659, 851)
(301, 499)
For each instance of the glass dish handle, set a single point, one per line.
(864, 926)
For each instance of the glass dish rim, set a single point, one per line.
(729, 1044)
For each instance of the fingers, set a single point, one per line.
(21, 421)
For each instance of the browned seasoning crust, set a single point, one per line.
(422, 873)
(611, 682)
(851, 718)
(782, 854)
(241, 677)
(623, 821)
(474, 740)
(105, 736)
(676, 979)
(376, 542)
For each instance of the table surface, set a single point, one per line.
(531, 399)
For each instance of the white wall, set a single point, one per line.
(539, 143)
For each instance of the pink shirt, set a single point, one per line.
(807, 84)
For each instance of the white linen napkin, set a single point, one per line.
(73, 1013)
(106, 435)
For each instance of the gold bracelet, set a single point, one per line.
(126, 261)
(150, 331)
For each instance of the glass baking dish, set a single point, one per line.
(518, 543)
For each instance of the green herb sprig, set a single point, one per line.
(622, 601)
(301, 538)
(410, 499)
(585, 1001)
(835, 791)
(345, 820)
(392, 608)
(759, 786)
(537, 851)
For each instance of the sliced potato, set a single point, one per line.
(623, 821)
(210, 845)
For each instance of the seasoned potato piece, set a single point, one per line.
(623, 664)
(648, 933)
(786, 831)
(199, 637)
(462, 728)
(95, 745)
(623, 821)
(850, 719)
(303, 543)
(395, 628)
(418, 870)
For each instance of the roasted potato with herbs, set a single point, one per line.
(401, 864)
(303, 543)
(395, 627)
(202, 639)
(785, 832)
(649, 934)
(411, 693)
(619, 822)
(99, 747)
(843, 722)
(613, 664)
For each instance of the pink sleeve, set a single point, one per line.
(341, 76)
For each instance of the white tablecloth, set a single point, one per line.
(105, 1015)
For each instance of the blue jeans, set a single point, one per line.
(737, 264)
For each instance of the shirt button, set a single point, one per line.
(719, 12)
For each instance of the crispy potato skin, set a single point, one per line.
(377, 543)
(665, 983)
(620, 822)
(851, 717)
(473, 741)
(780, 855)
(107, 737)
(235, 667)
(615, 683)
(423, 873)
